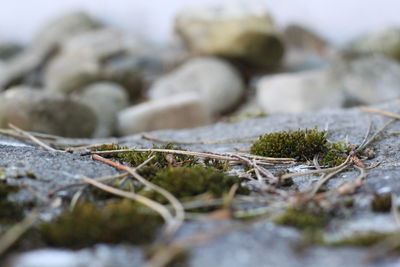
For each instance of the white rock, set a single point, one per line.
(106, 99)
(218, 83)
(291, 93)
(175, 112)
(346, 83)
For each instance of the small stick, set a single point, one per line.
(324, 179)
(163, 211)
(180, 212)
(381, 112)
(360, 148)
(31, 137)
(226, 141)
(12, 235)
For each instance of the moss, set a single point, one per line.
(161, 160)
(87, 225)
(381, 203)
(301, 144)
(363, 240)
(9, 212)
(334, 154)
(302, 220)
(186, 182)
(221, 165)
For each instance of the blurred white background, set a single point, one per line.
(336, 20)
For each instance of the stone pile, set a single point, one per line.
(232, 60)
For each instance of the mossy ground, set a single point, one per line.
(302, 220)
(302, 145)
(187, 182)
(365, 240)
(381, 203)
(88, 224)
(10, 212)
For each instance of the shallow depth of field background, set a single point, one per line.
(336, 20)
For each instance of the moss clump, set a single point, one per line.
(381, 203)
(186, 182)
(302, 220)
(9, 212)
(334, 154)
(363, 240)
(87, 225)
(301, 144)
(161, 160)
(221, 165)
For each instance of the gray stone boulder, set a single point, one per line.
(239, 32)
(218, 83)
(385, 41)
(175, 112)
(106, 99)
(36, 110)
(360, 81)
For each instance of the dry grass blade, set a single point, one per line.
(33, 138)
(365, 144)
(324, 179)
(226, 141)
(381, 112)
(163, 211)
(12, 235)
(179, 210)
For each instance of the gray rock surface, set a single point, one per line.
(236, 31)
(365, 80)
(256, 244)
(179, 111)
(218, 83)
(36, 110)
(106, 99)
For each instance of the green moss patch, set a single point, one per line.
(186, 182)
(302, 220)
(301, 144)
(364, 240)
(381, 203)
(87, 225)
(9, 212)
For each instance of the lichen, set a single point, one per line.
(87, 225)
(301, 144)
(186, 182)
(381, 203)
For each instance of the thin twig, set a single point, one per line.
(381, 112)
(31, 137)
(164, 212)
(367, 143)
(179, 211)
(226, 141)
(324, 179)
(13, 234)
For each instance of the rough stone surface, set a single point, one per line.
(106, 99)
(218, 83)
(35, 110)
(346, 83)
(256, 244)
(241, 32)
(385, 41)
(175, 112)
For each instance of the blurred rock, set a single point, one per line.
(385, 41)
(346, 83)
(292, 93)
(31, 61)
(58, 30)
(218, 83)
(93, 56)
(304, 49)
(9, 50)
(106, 99)
(238, 32)
(174, 112)
(36, 110)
